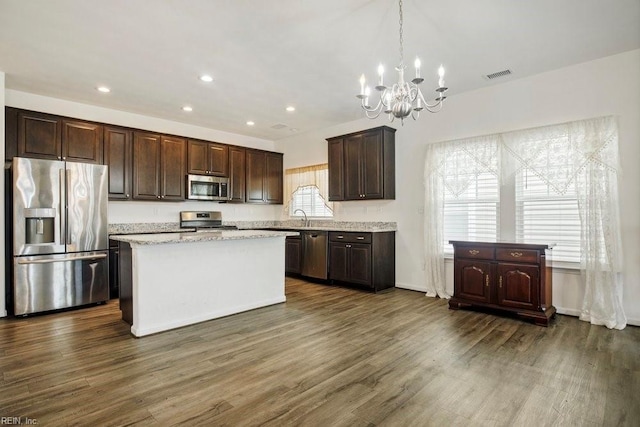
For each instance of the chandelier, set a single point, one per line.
(403, 98)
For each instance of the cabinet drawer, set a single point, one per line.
(520, 255)
(350, 237)
(474, 252)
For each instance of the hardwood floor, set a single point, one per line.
(329, 356)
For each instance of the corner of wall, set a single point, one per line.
(3, 285)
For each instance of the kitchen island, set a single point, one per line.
(171, 280)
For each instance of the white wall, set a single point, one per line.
(608, 86)
(3, 311)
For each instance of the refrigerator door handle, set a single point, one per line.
(52, 260)
(67, 236)
(63, 202)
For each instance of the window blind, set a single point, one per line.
(308, 199)
(473, 214)
(544, 216)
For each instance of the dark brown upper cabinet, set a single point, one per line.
(273, 178)
(362, 165)
(207, 158)
(264, 177)
(336, 168)
(144, 165)
(117, 155)
(159, 167)
(45, 136)
(39, 135)
(81, 141)
(237, 171)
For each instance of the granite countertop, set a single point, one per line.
(204, 236)
(297, 225)
(145, 227)
(324, 225)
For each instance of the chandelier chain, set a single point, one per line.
(401, 49)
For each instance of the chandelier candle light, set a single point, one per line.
(403, 98)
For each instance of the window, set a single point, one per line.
(309, 200)
(545, 216)
(473, 214)
(542, 215)
(307, 189)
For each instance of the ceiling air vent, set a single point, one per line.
(278, 126)
(497, 75)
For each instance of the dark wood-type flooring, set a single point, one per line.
(329, 356)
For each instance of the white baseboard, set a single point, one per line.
(568, 311)
(411, 287)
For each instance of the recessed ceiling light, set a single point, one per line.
(187, 108)
(206, 78)
(250, 123)
(103, 89)
(291, 108)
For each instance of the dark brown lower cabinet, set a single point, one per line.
(293, 255)
(509, 277)
(366, 259)
(125, 281)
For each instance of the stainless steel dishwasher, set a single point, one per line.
(314, 258)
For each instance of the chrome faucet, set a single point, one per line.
(306, 221)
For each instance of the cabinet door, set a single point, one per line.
(146, 166)
(338, 267)
(10, 133)
(117, 155)
(197, 157)
(237, 174)
(293, 255)
(255, 176)
(173, 163)
(472, 280)
(39, 136)
(336, 169)
(218, 155)
(518, 286)
(352, 168)
(81, 142)
(360, 264)
(273, 178)
(372, 174)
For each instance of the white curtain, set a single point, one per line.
(449, 168)
(317, 175)
(584, 152)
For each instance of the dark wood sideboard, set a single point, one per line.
(509, 277)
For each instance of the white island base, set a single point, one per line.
(179, 279)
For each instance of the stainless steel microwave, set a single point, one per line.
(202, 187)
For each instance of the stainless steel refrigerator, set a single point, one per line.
(60, 242)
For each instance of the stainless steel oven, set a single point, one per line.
(202, 187)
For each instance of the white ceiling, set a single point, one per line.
(267, 54)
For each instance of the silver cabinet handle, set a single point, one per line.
(360, 237)
(339, 237)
